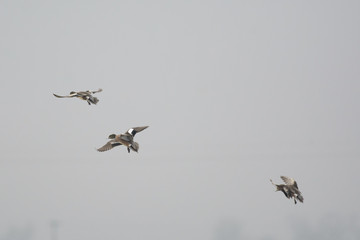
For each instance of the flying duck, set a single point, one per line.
(87, 96)
(290, 189)
(126, 139)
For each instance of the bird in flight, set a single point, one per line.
(87, 96)
(290, 189)
(126, 139)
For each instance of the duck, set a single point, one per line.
(84, 95)
(126, 139)
(290, 189)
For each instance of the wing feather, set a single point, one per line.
(133, 131)
(99, 90)
(288, 180)
(109, 145)
(58, 96)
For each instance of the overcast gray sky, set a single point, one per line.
(234, 92)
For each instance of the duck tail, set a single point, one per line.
(135, 146)
(93, 100)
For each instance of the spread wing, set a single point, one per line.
(135, 130)
(99, 90)
(109, 145)
(68, 96)
(289, 181)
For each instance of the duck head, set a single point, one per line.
(112, 136)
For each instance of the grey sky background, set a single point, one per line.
(234, 92)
